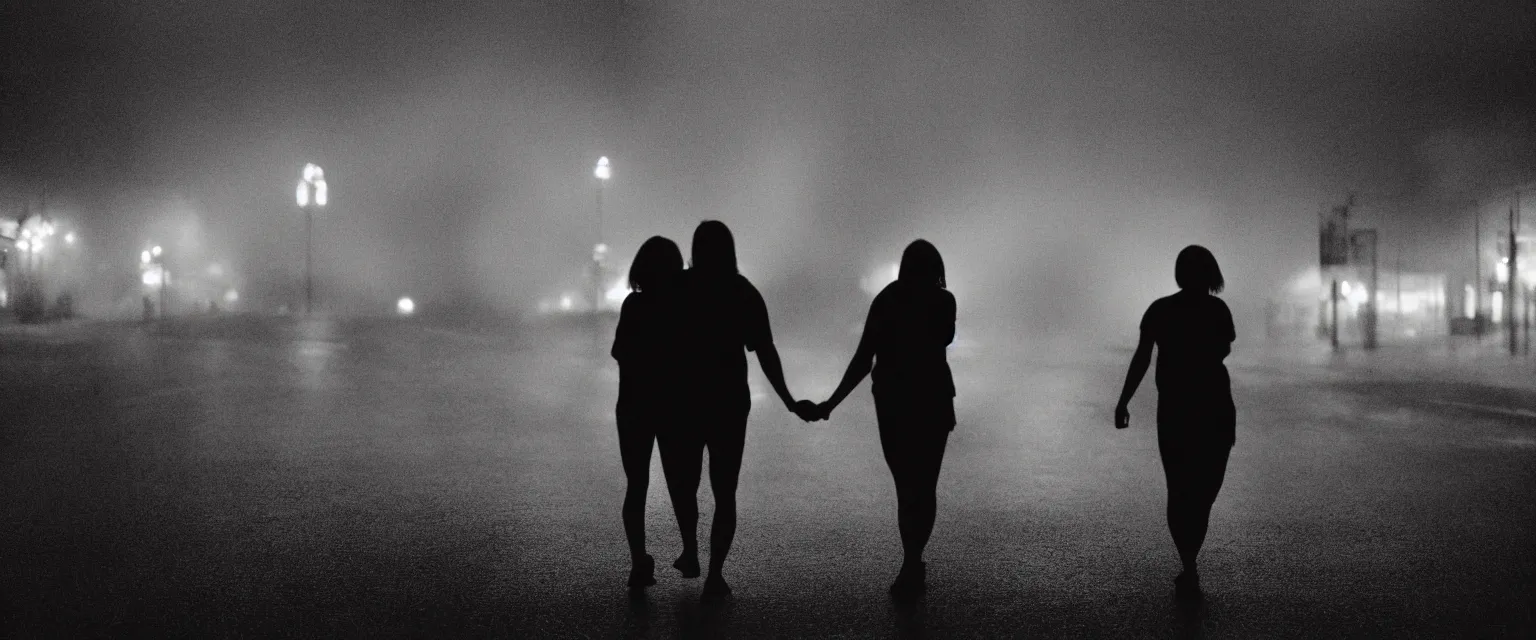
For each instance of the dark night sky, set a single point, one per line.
(1057, 151)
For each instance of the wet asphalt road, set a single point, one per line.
(386, 477)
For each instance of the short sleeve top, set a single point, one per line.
(911, 328)
(1193, 332)
(725, 317)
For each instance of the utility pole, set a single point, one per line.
(1514, 276)
(1477, 272)
(1333, 321)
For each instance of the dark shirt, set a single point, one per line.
(645, 344)
(725, 317)
(910, 327)
(1193, 333)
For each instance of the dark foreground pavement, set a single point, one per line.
(260, 477)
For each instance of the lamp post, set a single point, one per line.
(311, 194)
(152, 261)
(603, 171)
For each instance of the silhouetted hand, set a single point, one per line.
(826, 410)
(808, 411)
(1122, 416)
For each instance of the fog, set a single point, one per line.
(1059, 154)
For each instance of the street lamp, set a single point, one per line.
(603, 171)
(311, 193)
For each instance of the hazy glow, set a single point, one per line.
(603, 171)
(155, 251)
(151, 277)
(144, 257)
(231, 296)
(69, 238)
(566, 302)
(880, 278)
(215, 270)
(616, 293)
(1498, 304)
(1471, 302)
(302, 195)
(24, 245)
(1357, 295)
(405, 306)
(312, 172)
(320, 193)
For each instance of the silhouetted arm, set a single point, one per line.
(773, 368)
(863, 362)
(1139, 365)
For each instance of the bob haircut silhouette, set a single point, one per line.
(714, 249)
(921, 265)
(1196, 269)
(657, 263)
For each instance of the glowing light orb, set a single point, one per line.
(405, 306)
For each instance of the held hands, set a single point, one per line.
(810, 411)
(1122, 416)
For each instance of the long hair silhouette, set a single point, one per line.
(714, 249)
(921, 264)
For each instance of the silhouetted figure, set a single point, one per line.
(911, 323)
(1196, 420)
(723, 314)
(644, 344)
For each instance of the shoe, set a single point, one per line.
(715, 587)
(912, 580)
(687, 564)
(1187, 586)
(643, 572)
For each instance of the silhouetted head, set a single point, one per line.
(658, 263)
(922, 265)
(1196, 270)
(714, 250)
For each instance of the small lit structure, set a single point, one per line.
(603, 171)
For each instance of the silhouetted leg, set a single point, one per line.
(1210, 469)
(682, 462)
(922, 487)
(725, 451)
(635, 445)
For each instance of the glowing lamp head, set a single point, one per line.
(24, 246)
(69, 238)
(320, 195)
(302, 195)
(155, 251)
(405, 306)
(312, 172)
(144, 257)
(603, 170)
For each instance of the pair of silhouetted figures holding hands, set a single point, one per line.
(681, 346)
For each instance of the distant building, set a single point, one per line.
(1410, 306)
